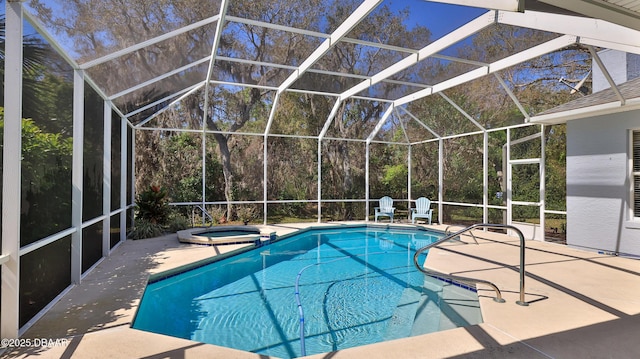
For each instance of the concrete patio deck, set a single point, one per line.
(581, 305)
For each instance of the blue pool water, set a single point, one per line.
(355, 286)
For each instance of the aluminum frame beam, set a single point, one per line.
(123, 177)
(106, 179)
(224, 4)
(356, 16)
(141, 45)
(193, 89)
(344, 39)
(11, 165)
(509, 5)
(77, 175)
(459, 109)
(383, 119)
(176, 94)
(158, 78)
(512, 96)
(539, 50)
(420, 122)
(404, 131)
(442, 43)
(607, 75)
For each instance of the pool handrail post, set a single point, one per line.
(498, 298)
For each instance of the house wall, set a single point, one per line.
(621, 66)
(598, 184)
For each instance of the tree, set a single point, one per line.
(46, 158)
(224, 110)
(34, 54)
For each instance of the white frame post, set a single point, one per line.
(106, 181)
(77, 175)
(123, 178)
(509, 180)
(11, 192)
(485, 177)
(133, 168)
(319, 180)
(265, 169)
(366, 180)
(543, 192)
(440, 179)
(203, 171)
(409, 195)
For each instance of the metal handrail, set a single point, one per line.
(446, 233)
(498, 297)
(205, 215)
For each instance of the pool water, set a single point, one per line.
(355, 286)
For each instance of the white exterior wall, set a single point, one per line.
(598, 184)
(621, 66)
(616, 64)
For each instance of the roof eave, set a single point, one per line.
(587, 112)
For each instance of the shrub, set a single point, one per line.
(247, 213)
(152, 205)
(146, 229)
(218, 214)
(177, 222)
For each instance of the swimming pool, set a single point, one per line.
(317, 291)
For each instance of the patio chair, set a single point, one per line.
(422, 210)
(386, 208)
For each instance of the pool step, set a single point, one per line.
(459, 307)
(402, 318)
(418, 310)
(427, 315)
(445, 306)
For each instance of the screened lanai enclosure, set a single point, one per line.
(288, 110)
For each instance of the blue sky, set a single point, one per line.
(437, 17)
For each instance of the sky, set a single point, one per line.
(439, 18)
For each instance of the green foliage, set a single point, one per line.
(176, 161)
(395, 176)
(42, 153)
(46, 180)
(154, 217)
(144, 228)
(218, 214)
(247, 214)
(152, 206)
(556, 168)
(177, 222)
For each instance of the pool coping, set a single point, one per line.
(192, 235)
